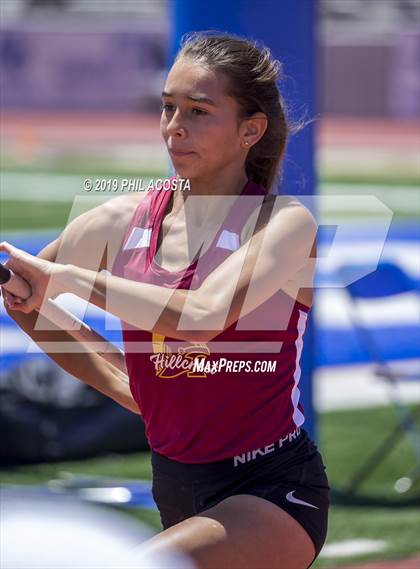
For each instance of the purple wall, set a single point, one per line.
(62, 65)
(380, 78)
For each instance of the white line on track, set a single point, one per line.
(36, 186)
(352, 547)
(42, 186)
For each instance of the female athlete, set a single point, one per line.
(213, 288)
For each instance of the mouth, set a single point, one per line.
(180, 153)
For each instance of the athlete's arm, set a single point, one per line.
(273, 255)
(92, 239)
(86, 366)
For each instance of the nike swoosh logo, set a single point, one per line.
(291, 498)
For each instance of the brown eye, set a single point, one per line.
(166, 107)
(199, 111)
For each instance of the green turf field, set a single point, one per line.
(49, 214)
(345, 437)
(42, 199)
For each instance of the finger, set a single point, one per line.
(10, 249)
(11, 297)
(17, 257)
(9, 302)
(17, 266)
(13, 306)
(29, 304)
(24, 307)
(12, 301)
(19, 305)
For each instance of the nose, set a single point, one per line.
(174, 127)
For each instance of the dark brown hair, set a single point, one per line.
(252, 76)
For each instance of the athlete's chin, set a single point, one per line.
(185, 171)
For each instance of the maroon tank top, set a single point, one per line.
(196, 415)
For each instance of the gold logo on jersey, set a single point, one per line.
(169, 364)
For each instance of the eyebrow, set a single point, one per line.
(195, 98)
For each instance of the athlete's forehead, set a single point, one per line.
(191, 80)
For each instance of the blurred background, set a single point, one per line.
(80, 86)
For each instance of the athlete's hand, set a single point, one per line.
(37, 272)
(8, 298)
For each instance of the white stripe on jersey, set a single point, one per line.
(228, 240)
(139, 237)
(298, 416)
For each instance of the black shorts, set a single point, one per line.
(292, 477)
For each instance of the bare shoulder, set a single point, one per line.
(292, 209)
(290, 223)
(114, 214)
(279, 213)
(93, 238)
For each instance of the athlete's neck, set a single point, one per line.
(212, 204)
(224, 183)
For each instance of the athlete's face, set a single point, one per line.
(201, 121)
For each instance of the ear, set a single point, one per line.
(252, 129)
